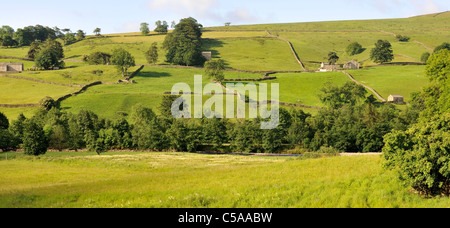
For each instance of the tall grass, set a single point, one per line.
(193, 180)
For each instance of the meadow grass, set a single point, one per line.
(429, 29)
(256, 54)
(395, 80)
(174, 180)
(17, 91)
(303, 88)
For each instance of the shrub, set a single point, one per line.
(425, 56)
(421, 156)
(402, 38)
(98, 58)
(47, 103)
(328, 150)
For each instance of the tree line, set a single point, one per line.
(38, 33)
(351, 122)
(382, 52)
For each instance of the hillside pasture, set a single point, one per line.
(17, 91)
(397, 80)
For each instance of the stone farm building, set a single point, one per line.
(11, 67)
(396, 99)
(351, 65)
(328, 67)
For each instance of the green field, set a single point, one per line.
(246, 47)
(395, 80)
(17, 91)
(119, 179)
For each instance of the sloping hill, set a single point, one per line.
(248, 48)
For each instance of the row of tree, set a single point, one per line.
(351, 122)
(383, 52)
(26, 36)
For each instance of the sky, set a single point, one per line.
(125, 16)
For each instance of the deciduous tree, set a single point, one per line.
(123, 60)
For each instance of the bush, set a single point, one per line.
(425, 56)
(402, 38)
(47, 103)
(328, 150)
(421, 156)
(98, 58)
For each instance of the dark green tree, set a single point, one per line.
(46, 59)
(98, 58)
(214, 132)
(425, 56)
(183, 45)
(98, 31)
(161, 27)
(17, 127)
(35, 141)
(402, 38)
(382, 53)
(145, 30)
(332, 57)
(444, 45)
(34, 50)
(336, 97)
(69, 39)
(7, 141)
(4, 122)
(47, 103)
(81, 35)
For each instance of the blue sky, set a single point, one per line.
(125, 16)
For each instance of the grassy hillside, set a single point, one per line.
(198, 181)
(387, 80)
(246, 47)
(16, 91)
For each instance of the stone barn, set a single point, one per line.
(396, 99)
(328, 67)
(11, 67)
(207, 55)
(351, 65)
